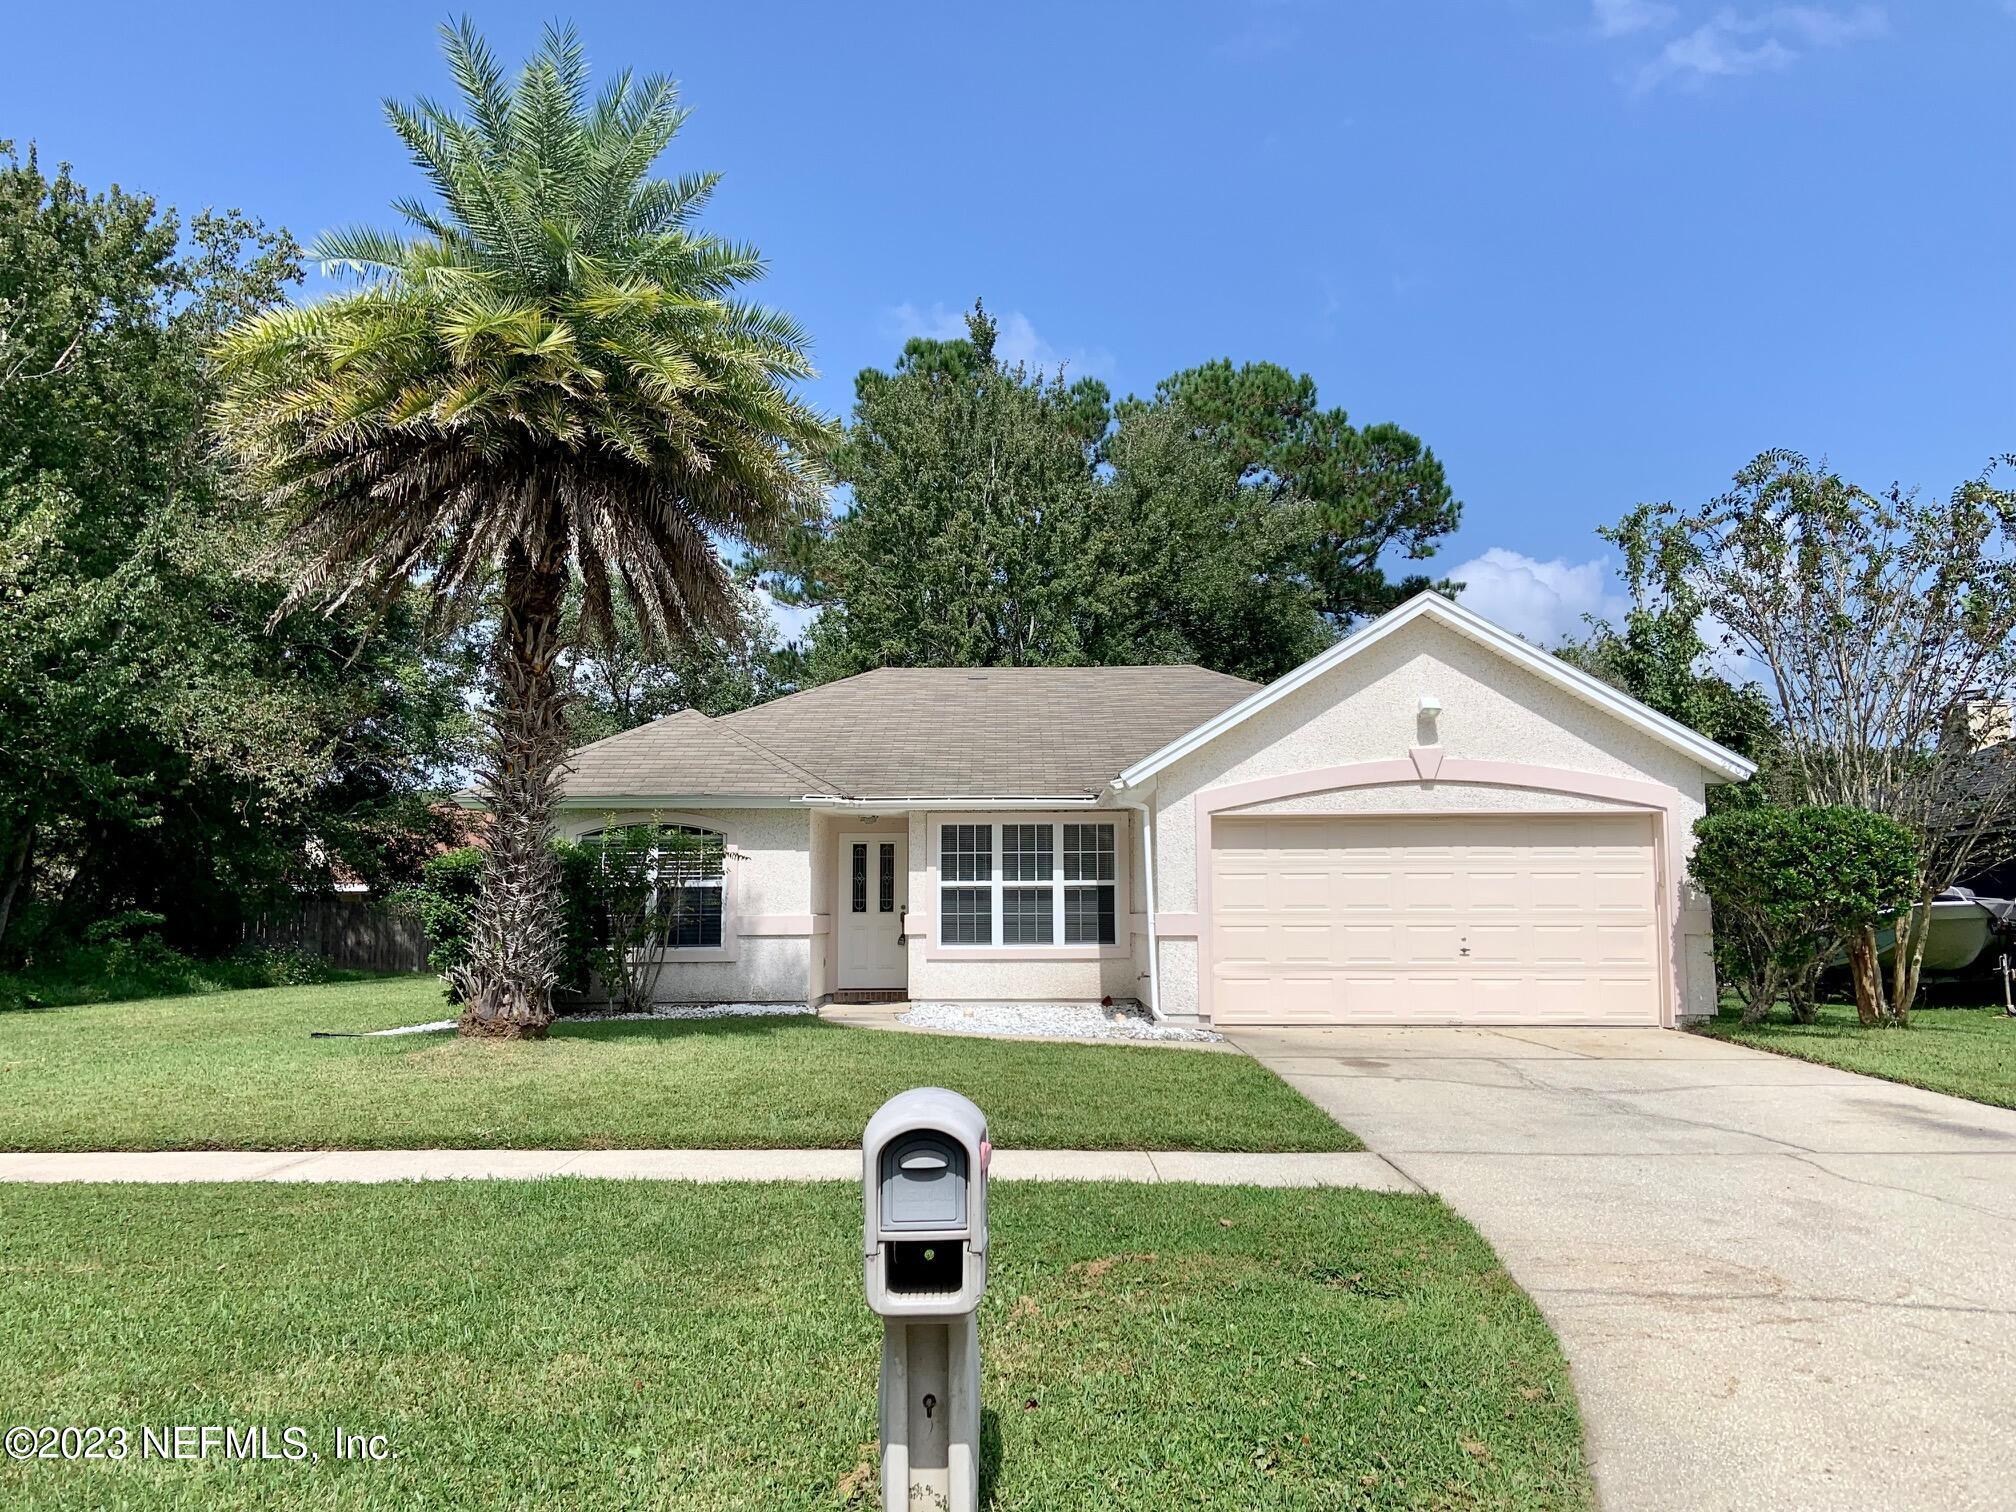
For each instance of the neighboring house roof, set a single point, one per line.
(1716, 758)
(915, 732)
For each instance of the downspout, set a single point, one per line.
(1140, 807)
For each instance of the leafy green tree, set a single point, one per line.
(1659, 656)
(1790, 886)
(1193, 565)
(162, 751)
(964, 542)
(1377, 489)
(548, 379)
(1882, 625)
(620, 681)
(994, 521)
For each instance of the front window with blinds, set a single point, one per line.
(686, 871)
(690, 871)
(1030, 899)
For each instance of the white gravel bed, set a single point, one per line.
(662, 1011)
(1078, 1020)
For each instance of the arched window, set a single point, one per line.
(681, 870)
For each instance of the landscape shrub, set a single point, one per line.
(1789, 886)
(132, 964)
(441, 900)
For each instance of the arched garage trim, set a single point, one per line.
(1428, 767)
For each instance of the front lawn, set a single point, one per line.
(642, 1344)
(1968, 1052)
(239, 1071)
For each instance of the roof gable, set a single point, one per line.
(1717, 759)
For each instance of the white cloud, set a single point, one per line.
(1542, 601)
(1620, 18)
(1730, 42)
(793, 621)
(1015, 341)
(1821, 27)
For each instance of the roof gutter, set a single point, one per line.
(959, 800)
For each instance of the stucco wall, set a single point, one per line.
(767, 935)
(1368, 709)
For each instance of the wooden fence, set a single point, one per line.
(348, 930)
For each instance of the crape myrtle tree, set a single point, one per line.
(1885, 630)
(548, 377)
(1659, 656)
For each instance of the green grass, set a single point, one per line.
(640, 1344)
(239, 1071)
(1968, 1052)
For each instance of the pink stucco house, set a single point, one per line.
(1431, 822)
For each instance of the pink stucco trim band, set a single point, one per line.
(1662, 803)
(1178, 926)
(778, 924)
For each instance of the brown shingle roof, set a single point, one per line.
(687, 754)
(917, 732)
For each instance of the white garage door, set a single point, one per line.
(1434, 921)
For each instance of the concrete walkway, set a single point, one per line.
(1778, 1285)
(1292, 1170)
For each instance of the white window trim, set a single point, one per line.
(1056, 950)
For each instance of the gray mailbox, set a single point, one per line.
(924, 1173)
(924, 1164)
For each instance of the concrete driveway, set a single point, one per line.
(1778, 1285)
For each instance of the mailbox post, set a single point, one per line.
(924, 1195)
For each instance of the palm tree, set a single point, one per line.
(546, 379)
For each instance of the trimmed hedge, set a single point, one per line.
(1789, 886)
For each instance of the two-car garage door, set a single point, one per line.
(1517, 920)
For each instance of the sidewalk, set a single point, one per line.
(1358, 1169)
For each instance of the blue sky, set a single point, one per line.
(1593, 253)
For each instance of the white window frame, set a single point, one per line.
(995, 884)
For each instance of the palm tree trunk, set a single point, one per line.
(514, 926)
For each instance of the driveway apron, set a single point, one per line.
(1778, 1285)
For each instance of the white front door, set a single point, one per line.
(868, 917)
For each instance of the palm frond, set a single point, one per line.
(550, 345)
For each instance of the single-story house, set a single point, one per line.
(1430, 822)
